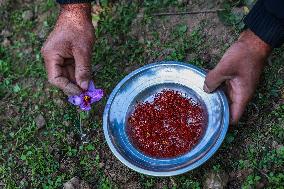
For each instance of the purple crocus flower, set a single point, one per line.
(85, 99)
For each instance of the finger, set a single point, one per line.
(82, 58)
(227, 88)
(56, 76)
(69, 88)
(237, 101)
(213, 79)
(237, 108)
(70, 68)
(71, 73)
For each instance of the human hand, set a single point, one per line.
(240, 68)
(67, 50)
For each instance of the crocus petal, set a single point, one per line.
(91, 87)
(96, 95)
(85, 102)
(75, 100)
(85, 107)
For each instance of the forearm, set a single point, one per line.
(73, 1)
(75, 12)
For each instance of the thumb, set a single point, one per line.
(82, 58)
(213, 79)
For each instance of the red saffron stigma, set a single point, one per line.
(169, 126)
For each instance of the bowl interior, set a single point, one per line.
(141, 85)
(149, 93)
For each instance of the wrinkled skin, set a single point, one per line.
(67, 50)
(240, 69)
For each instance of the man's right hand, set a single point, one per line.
(67, 50)
(239, 69)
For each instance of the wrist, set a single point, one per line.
(76, 11)
(255, 44)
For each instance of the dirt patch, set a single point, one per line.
(117, 172)
(213, 31)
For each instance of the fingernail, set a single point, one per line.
(205, 88)
(84, 85)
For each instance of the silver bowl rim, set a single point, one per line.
(192, 166)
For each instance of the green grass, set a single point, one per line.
(48, 157)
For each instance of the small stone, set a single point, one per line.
(27, 15)
(216, 181)
(76, 183)
(6, 33)
(6, 42)
(73, 183)
(40, 121)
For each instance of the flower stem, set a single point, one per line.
(83, 136)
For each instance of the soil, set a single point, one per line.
(215, 35)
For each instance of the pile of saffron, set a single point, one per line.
(169, 126)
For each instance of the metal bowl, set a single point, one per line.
(141, 85)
